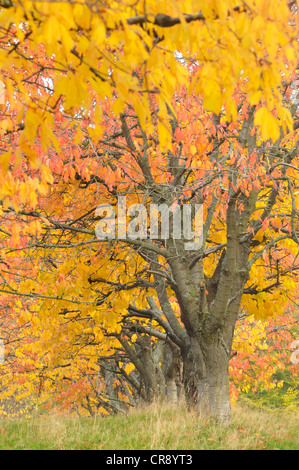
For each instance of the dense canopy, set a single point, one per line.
(156, 103)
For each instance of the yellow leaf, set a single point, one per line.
(46, 175)
(118, 106)
(67, 39)
(290, 53)
(4, 161)
(255, 97)
(33, 120)
(82, 15)
(129, 368)
(193, 149)
(258, 24)
(99, 31)
(30, 153)
(74, 90)
(140, 111)
(51, 30)
(213, 99)
(268, 124)
(164, 135)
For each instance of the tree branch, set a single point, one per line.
(166, 21)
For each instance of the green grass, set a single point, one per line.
(154, 428)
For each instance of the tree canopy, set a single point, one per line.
(160, 104)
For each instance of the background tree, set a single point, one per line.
(225, 138)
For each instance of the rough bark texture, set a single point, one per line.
(207, 384)
(209, 304)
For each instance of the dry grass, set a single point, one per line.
(157, 427)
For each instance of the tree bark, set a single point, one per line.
(206, 379)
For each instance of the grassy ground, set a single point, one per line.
(154, 428)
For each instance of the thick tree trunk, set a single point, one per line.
(206, 381)
(171, 391)
(213, 390)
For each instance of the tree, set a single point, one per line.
(218, 129)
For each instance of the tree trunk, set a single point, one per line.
(206, 380)
(171, 391)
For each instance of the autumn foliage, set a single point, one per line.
(160, 104)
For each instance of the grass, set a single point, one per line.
(154, 428)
